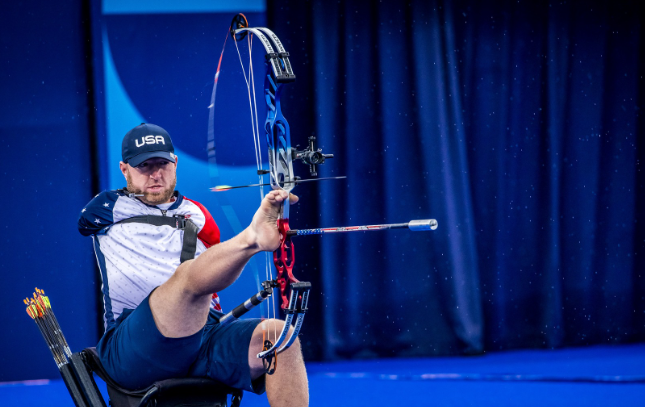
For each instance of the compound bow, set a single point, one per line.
(294, 294)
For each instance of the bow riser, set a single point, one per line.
(278, 137)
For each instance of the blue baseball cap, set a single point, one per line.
(144, 142)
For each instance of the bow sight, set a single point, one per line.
(311, 156)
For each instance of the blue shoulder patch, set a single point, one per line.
(97, 215)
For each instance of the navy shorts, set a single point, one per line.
(136, 354)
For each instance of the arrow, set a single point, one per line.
(220, 188)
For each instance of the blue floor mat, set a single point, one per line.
(591, 376)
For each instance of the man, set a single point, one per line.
(161, 315)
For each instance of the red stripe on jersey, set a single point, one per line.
(215, 302)
(210, 232)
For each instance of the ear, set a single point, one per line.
(123, 167)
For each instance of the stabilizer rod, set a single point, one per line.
(413, 225)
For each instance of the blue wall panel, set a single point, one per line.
(46, 176)
(159, 66)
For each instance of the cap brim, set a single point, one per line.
(137, 160)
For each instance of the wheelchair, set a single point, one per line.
(178, 392)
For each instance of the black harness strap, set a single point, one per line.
(190, 241)
(180, 222)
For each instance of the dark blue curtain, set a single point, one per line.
(518, 126)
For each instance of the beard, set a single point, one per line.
(152, 198)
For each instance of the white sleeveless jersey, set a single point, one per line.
(134, 258)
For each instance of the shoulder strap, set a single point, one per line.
(189, 246)
(190, 241)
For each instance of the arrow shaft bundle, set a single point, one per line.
(40, 310)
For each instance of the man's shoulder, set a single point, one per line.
(197, 209)
(198, 206)
(209, 232)
(99, 212)
(107, 196)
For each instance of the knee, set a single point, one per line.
(183, 280)
(271, 329)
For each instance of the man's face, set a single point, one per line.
(154, 178)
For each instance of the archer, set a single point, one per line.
(161, 260)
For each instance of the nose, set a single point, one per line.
(155, 171)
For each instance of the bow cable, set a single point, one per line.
(253, 106)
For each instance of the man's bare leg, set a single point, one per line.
(288, 386)
(180, 305)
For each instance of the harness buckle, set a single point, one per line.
(180, 221)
